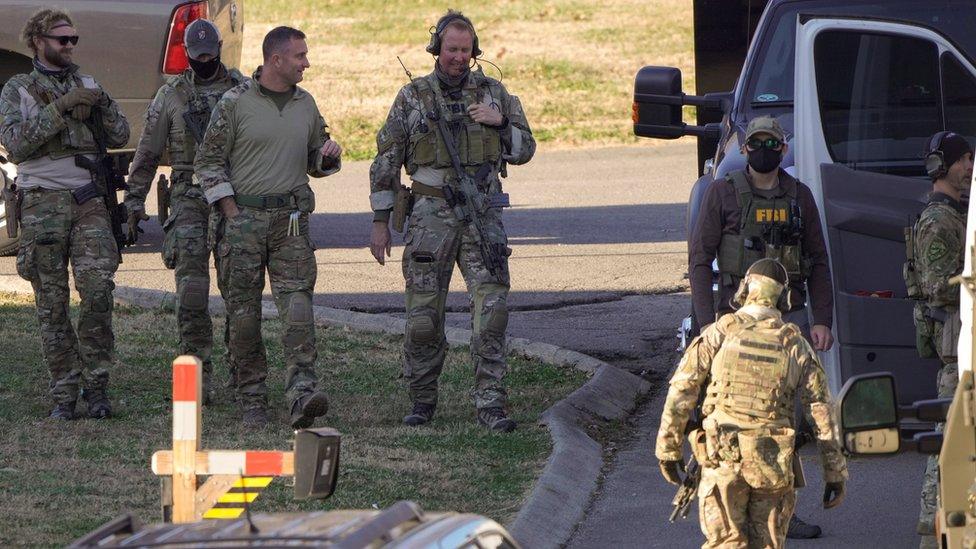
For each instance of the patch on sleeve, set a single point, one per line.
(936, 250)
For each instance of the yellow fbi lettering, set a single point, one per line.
(771, 215)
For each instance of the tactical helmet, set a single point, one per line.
(771, 271)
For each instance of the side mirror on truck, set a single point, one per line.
(657, 105)
(870, 418)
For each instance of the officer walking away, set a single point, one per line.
(265, 138)
(936, 245)
(761, 212)
(752, 364)
(53, 122)
(454, 130)
(175, 122)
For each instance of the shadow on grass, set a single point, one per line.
(62, 479)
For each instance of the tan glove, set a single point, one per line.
(134, 218)
(81, 112)
(671, 470)
(77, 96)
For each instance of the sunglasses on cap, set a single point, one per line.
(769, 143)
(63, 40)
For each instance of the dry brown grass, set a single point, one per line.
(62, 479)
(571, 62)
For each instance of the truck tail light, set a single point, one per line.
(174, 58)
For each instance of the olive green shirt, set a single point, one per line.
(252, 148)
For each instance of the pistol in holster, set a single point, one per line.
(11, 201)
(163, 194)
(402, 206)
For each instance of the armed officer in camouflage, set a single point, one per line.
(264, 139)
(935, 246)
(762, 211)
(752, 365)
(175, 122)
(452, 119)
(53, 121)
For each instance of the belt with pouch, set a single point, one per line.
(495, 200)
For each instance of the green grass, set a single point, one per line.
(59, 480)
(571, 62)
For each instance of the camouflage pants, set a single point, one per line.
(733, 514)
(247, 244)
(57, 231)
(948, 378)
(185, 251)
(435, 241)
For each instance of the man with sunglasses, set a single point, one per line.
(936, 246)
(763, 212)
(175, 122)
(48, 119)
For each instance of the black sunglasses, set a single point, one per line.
(770, 143)
(63, 40)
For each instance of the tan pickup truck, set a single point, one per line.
(129, 46)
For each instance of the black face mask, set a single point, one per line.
(764, 160)
(205, 69)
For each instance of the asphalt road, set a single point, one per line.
(598, 267)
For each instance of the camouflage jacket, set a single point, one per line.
(166, 129)
(29, 120)
(252, 148)
(804, 370)
(407, 123)
(940, 239)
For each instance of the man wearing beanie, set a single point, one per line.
(757, 212)
(753, 365)
(936, 245)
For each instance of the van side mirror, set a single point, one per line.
(316, 462)
(869, 415)
(657, 105)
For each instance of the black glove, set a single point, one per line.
(134, 218)
(81, 112)
(833, 494)
(672, 470)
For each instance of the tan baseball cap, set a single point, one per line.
(765, 124)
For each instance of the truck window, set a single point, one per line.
(879, 98)
(959, 89)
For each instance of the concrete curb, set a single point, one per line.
(570, 478)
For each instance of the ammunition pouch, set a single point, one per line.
(86, 193)
(697, 439)
(767, 458)
(11, 204)
(912, 284)
(402, 206)
(304, 199)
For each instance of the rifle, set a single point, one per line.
(107, 180)
(468, 203)
(686, 492)
(11, 204)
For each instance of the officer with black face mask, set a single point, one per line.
(175, 123)
(757, 213)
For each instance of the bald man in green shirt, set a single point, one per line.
(265, 138)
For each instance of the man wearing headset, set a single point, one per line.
(452, 117)
(762, 211)
(753, 364)
(936, 245)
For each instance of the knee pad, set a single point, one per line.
(299, 310)
(247, 327)
(194, 294)
(422, 326)
(497, 318)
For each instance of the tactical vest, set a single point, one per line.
(76, 138)
(749, 374)
(197, 108)
(768, 227)
(476, 144)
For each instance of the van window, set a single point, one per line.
(959, 90)
(879, 98)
